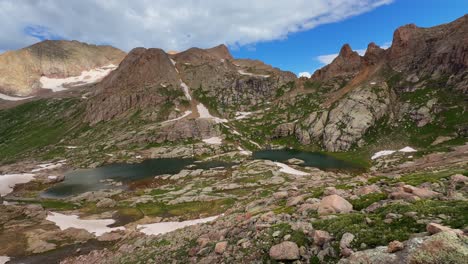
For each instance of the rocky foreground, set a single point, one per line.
(262, 213)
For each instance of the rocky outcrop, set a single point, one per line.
(431, 51)
(444, 247)
(345, 124)
(21, 70)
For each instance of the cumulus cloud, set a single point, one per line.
(172, 25)
(304, 74)
(328, 58)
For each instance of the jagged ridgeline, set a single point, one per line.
(199, 157)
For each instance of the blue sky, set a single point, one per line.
(299, 52)
(291, 35)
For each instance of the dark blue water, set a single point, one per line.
(311, 159)
(84, 180)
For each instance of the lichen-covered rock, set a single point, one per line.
(334, 204)
(286, 250)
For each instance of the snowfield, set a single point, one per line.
(8, 181)
(166, 227)
(13, 98)
(286, 169)
(86, 77)
(97, 227)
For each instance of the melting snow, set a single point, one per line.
(204, 113)
(382, 153)
(286, 169)
(13, 98)
(186, 90)
(166, 227)
(4, 259)
(86, 77)
(213, 140)
(389, 152)
(8, 181)
(98, 227)
(252, 74)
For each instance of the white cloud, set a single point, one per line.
(305, 74)
(328, 58)
(172, 25)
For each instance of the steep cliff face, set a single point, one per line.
(21, 70)
(145, 80)
(420, 80)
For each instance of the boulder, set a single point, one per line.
(334, 204)
(280, 195)
(295, 161)
(106, 203)
(434, 228)
(395, 246)
(420, 192)
(286, 250)
(321, 237)
(221, 247)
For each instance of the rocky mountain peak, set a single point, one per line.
(347, 52)
(21, 70)
(198, 56)
(374, 53)
(221, 51)
(348, 62)
(142, 81)
(141, 67)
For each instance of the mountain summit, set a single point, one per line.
(21, 70)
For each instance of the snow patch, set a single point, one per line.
(407, 149)
(204, 113)
(49, 166)
(252, 74)
(4, 259)
(166, 227)
(186, 90)
(86, 77)
(213, 140)
(382, 153)
(242, 115)
(286, 169)
(8, 181)
(389, 152)
(186, 113)
(97, 227)
(13, 98)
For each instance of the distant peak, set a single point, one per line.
(221, 51)
(346, 50)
